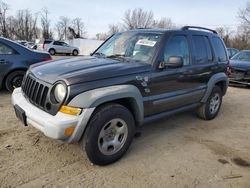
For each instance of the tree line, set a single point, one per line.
(240, 38)
(137, 18)
(25, 25)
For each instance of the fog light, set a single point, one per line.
(70, 110)
(69, 131)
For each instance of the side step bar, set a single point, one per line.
(169, 113)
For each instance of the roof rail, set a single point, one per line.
(201, 28)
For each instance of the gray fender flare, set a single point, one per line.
(218, 77)
(96, 97)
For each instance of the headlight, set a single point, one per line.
(60, 92)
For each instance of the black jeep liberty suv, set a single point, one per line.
(132, 78)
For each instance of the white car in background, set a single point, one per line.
(59, 47)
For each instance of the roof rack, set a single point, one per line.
(195, 27)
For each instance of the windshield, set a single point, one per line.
(130, 46)
(242, 56)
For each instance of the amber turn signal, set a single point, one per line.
(70, 110)
(69, 131)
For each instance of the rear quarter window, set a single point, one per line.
(220, 50)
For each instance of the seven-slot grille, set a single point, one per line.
(36, 92)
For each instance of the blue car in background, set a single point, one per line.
(240, 68)
(15, 59)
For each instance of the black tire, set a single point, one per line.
(98, 123)
(75, 53)
(208, 111)
(52, 51)
(14, 80)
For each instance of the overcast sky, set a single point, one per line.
(97, 14)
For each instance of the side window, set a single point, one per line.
(5, 50)
(177, 46)
(202, 49)
(219, 49)
(57, 43)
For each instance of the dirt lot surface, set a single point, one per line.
(181, 151)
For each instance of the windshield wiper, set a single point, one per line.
(118, 56)
(100, 54)
(115, 55)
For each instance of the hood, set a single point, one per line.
(85, 69)
(237, 64)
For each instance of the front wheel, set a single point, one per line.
(211, 108)
(109, 135)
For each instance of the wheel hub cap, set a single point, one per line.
(214, 103)
(113, 136)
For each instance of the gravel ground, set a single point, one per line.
(181, 151)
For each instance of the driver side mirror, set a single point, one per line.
(172, 62)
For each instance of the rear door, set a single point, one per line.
(221, 59)
(204, 61)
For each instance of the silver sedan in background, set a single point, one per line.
(59, 47)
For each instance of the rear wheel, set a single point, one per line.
(14, 80)
(211, 108)
(109, 135)
(52, 52)
(75, 53)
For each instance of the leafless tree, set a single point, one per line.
(102, 36)
(79, 27)
(113, 29)
(226, 34)
(45, 23)
(25, 25)
(59, 31)
(3, 17)
(62, 28)
(138, 18)
(242, 39)
(165, 23)
(244, 15)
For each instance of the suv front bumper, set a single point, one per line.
(52, 126)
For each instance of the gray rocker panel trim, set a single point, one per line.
(211, 83)
(96, 97)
